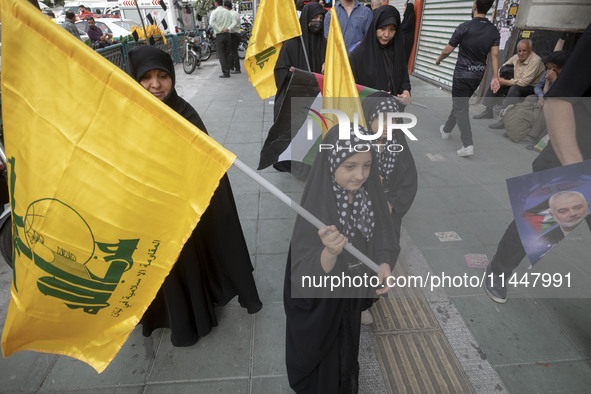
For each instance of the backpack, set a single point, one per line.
(518, 118)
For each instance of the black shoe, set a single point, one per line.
(225, 75)
(235, 72)
(497, 125)
(495, 286)
(486, 114)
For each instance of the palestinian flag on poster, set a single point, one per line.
(298, 116)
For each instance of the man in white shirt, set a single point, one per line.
(223, 22)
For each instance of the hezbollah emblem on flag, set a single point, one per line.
(81, 272)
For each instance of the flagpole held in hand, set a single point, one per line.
(301, 211)
(305, 53)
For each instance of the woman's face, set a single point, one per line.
(157, 82)
(353, 172)
(385, 34)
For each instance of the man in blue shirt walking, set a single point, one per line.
(354, 19)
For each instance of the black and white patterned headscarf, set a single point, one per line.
(356, 217)
(386, 159)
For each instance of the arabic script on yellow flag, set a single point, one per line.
(339, 90)
(106, 183)
(276, 21)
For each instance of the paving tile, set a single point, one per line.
(471, 198)
(130, 366)
(269, 341)
(488, 226)
(428, 203)
(274, 235)
(558, 377)
(135, 389)
(241, 182)
(244, 152)
(247, 204)
(423, 232)
(450, 267)
(516, 332)
(574, 317)
(243, 130)
(283, 181)
(499, 191)
(270, 273)
(273, 384)
(557, 277)
(238, 386)
(270, 207)
(498, 174)
(224, 353)
(24, 371)
(440, 176)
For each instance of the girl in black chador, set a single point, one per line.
(396, 164)
(207, 272)
(323, 325)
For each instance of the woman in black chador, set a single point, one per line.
(292, 51)
(323, 325)
(214, 265)
(407, 28)
(378, 61)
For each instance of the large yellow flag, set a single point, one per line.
(339, 90)
(106, 183)
(275, 22)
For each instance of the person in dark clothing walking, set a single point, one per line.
(477, 39)
(407, 27)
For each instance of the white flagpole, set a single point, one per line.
(301, 211)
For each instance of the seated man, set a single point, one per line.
(527, 70)
(96, 36)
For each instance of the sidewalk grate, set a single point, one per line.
(414, 354)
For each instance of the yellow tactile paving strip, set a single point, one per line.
(413, 352)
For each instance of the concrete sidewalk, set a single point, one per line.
(532, 344)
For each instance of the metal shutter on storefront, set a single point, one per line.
(439, 20)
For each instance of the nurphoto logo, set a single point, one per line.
(392, 119)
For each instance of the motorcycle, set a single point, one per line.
(244, 38)
(207, 43)
(192, 58)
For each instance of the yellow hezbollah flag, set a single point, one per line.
(339, 91)
(275, 22)
(106, 184)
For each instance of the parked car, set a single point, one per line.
(116, 27)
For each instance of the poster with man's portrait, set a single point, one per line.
(549, 205)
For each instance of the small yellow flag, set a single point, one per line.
(276, 21)
(106, 185)
(339, 90)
